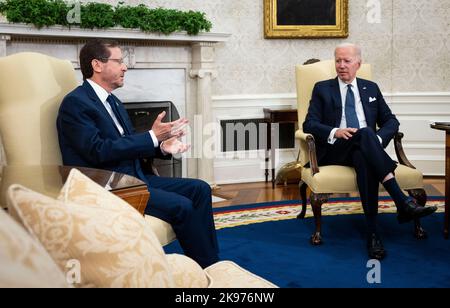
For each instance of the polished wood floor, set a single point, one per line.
(238, 194)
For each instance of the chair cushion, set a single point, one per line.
(23, 260)
(341, 179)
(226, 274)
(163, 231)
(111, 240)
(186, 272)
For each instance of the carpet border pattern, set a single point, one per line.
(283, 210)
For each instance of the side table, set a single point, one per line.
(445, 126)
(272, 116)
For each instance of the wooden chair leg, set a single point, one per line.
(303, 188)
(316, 203)
(421, 196)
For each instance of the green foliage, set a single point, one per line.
(97, 15)
(38, 12)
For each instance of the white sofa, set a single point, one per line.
(110, 241)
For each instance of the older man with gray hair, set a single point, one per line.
(352, 125)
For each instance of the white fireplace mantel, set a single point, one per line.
(118, 33)
(191, 56)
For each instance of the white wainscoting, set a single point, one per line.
(424, 146)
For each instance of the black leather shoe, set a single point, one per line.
(375, 247)
(411, 210)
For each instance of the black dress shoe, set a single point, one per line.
(375, 247)
(411, 210)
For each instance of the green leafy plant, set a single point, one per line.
(45, 13)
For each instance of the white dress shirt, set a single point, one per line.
(102, 94)
(343, 88)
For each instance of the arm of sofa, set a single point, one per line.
(227, 274)
(162, 229)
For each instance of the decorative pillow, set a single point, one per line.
(112, 243)
(23, 261)
(82, 190)
(186, 272)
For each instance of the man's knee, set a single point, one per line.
(367, 133)
(201, 187)
(182, 209)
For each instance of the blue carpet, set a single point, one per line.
(280, 252)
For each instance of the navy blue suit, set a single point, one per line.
(88, 137)
(363, 151)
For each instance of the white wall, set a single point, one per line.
(409, 48)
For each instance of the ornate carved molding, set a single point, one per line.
(202, 73)
(3, 40)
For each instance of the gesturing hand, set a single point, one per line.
(174, 146)
(345, 133)
(164, 131)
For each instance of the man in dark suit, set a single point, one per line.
(343, 117)
(95, 131)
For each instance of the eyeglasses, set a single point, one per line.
(119, 61)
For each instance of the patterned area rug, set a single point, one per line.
(283, 210)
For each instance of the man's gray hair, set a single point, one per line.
(346, 45)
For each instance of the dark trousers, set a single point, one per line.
(365, 153)
(186, 204)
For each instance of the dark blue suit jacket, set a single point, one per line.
(325, 112)
(88, 136)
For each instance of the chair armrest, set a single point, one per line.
(401, 156)
(308, 139)
(312, 154)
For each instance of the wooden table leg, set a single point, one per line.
(273, 146)
(268, 146)
(447, 184)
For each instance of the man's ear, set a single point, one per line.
(97, 66)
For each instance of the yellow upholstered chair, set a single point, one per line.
(32, 86)
(326, 180)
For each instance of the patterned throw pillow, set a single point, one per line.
(112, 243)
(23, 261)
(186, 272)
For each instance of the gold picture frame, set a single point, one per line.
(305, 19)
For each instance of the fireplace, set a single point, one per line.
(142, 115)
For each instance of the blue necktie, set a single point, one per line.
(112, 102)
(350, 111)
